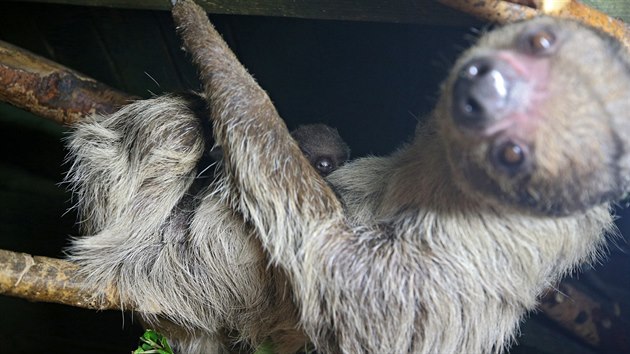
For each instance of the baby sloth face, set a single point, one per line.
(537, 116)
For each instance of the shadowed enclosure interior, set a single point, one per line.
(373, 81)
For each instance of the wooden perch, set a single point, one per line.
(43, 279)
(597, 325)
(501, 11)
(586, 14)
(493, 10)
(46, 279)
(51, 90)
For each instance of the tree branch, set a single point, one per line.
(502, 11)
(498, 11)
(46, 279)
(51, 90)
(595, 323)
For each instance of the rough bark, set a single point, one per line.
(501, 11)
(51, 90)
(593, 322)
(46, 279)
(498, 11)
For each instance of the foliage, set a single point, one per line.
(265, 348)
(153, 342)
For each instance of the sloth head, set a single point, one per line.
(537, 115)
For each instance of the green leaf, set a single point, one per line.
(265, 348)
(153, 342)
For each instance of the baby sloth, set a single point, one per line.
(322, 146)
(439, 248)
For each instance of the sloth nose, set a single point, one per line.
(481, 92)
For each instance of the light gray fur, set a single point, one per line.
(417, 262)
(143, 164)
(165, 247)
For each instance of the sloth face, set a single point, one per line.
(537, 115)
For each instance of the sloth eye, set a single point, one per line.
(512, 154)
(509, 157)
(539, 42)
(542, 41)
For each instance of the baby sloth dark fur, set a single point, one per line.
(441, 247)
(322, 146)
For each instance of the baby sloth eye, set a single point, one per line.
(509, 157)
(539, 42)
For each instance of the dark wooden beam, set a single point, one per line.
(396, 11)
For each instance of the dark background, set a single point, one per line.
(373, 81)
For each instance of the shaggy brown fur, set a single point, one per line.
(442, 247)
(150, 162)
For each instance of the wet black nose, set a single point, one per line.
(324, 166)
(481, 92)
